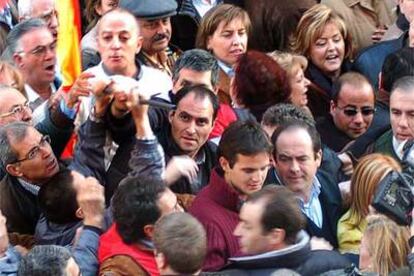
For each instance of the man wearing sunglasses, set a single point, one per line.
(352, 111)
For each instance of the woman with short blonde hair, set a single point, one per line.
(322, 37)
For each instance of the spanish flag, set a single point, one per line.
(68, 47)
(68, 50)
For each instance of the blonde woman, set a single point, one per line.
(294, 65)
(365, 179)
(384, 246)
(322, 37)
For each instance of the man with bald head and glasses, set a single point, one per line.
(351, 112)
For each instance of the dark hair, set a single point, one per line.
(243, 137)
(182, 240)
(24, 27)
(352, 78)
(397, 65)
(295, 124)
(57, 198)
(197, 60)
(259, 83)
(280, 210)
(45, 260)
(16, 132)
(281, 113)
(274, 23)
(200, 91)
(134, 205)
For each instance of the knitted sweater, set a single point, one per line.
(217, 208)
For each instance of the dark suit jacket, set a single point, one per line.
(331, 203)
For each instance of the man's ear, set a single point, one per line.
(380, 81)
(318, 158)
(18, 60)
(171, 115)
(79, 213)
(224, 163)
(140, 40)
(149, 230)
(160, 260)
(332, 107)
(14, 170)
(277, 237)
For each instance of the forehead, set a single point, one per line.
(235, 24)
(294, 142)
(330, 29)
(118, 22)
(31, 140)
(257, 160)
(195, 105)
(10, 98)
(36, 37)
(401, 98)
(356, 93)
(40, 7)
(252, 211)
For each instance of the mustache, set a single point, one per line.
(161, 36)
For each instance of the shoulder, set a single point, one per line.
(320, 261)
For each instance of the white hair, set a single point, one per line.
(25, 9)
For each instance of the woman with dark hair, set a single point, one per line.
(224, 31)
(322, 37)
(259, 83)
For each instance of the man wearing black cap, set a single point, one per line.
(153, 17)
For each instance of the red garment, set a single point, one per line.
(217, 208)
(225, 116)
(111, 244)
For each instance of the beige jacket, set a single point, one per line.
(363, 17)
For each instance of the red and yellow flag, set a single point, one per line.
(68, 49)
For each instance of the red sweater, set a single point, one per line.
(216, 207)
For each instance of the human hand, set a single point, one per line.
(180, 166)
(347, 165)
(320, 244)
(411, 35)
(81, 87)
(4, 237)
(91, 201)
(379, 34)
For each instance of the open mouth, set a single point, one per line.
(50, 68)
(332, 58)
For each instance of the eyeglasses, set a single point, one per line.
(41, 50)
(33, 153)
(352, 111)
(18, 109)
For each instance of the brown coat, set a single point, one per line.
(224, 88)
(121, 265)
(363, 17)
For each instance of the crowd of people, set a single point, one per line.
(211, 138)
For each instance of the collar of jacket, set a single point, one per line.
(222, 192)
(295, 253)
